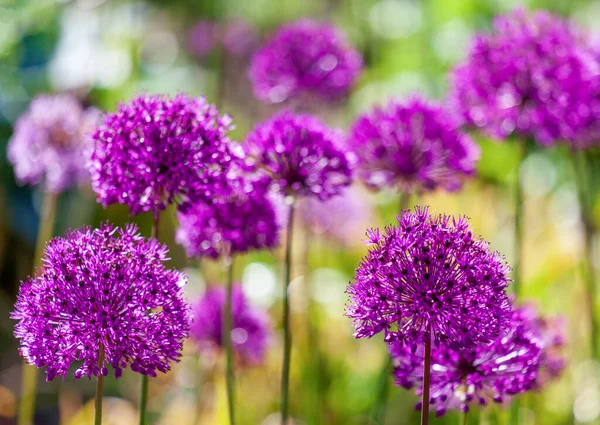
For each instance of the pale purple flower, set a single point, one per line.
(250, 332)
(49, 140)
(203, 38)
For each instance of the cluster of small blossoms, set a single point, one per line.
(428, 279)
(529, 77)
(102, 293)
(158, 150)
(414, 146)
(490, 372)
(49, 141)
(250, 332)
(305, 59)
(238, 37)
(300, 155)
(240, 219)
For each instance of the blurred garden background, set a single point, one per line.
(107, 51)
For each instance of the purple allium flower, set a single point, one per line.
(340, 217)
(305, 58)
(49, 142)
(429, 277)
(157, 150)
(459, 378)
(102, 289)
(240, 37)
(241, 219)
(523, 78)
(203, 38)
(415, 146)
(301, 155)
(250, 333)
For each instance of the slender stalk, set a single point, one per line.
(227, 326)
(580, 171)
(518, 199)
(144, 381)
(382, 388)
(465, 418)
(426, 383)
(99, 388)
(287, 334)
(29, 373)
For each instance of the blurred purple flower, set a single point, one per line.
(300, 155)
(427, 278)
(242, 218)
(102, 289)
(525, 78)
(49, 141)
(240, 38)
(157, 150)
(203, 38)
(305, 58)
(413, 146)
(250, 333)
(340, 217)
(459, 378)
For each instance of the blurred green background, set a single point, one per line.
(108, 50)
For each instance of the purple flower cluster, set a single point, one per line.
(300, 155)
(413, 146)
(305, 58)
(104, 291)
(250, 332)
(49, 141)
(459, 378)
(240, 219)
(428, 279)
(157, 150)
(529, 77)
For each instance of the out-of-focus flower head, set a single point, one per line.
(340, 217)
(102, 292)
(413, 146)
(203, 38)
(250, 334)
(490, 372)
(300, 155)
(242, 218)
(430, 278)
(525, 78)
(157, 150)
(305, 58)
(552, 334)
(49, 141)
(240, 37)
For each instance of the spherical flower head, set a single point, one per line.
(428, 279)
(339, 217)
(414, 146)
(102, 293)
(305, 59)
(49, 141)
(524, 78)
(203, 38)
(241, 219)
(157, 150)
(240, 37)
(250, 334)
(491, 372)
(301, 155)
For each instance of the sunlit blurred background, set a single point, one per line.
(106, 51)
